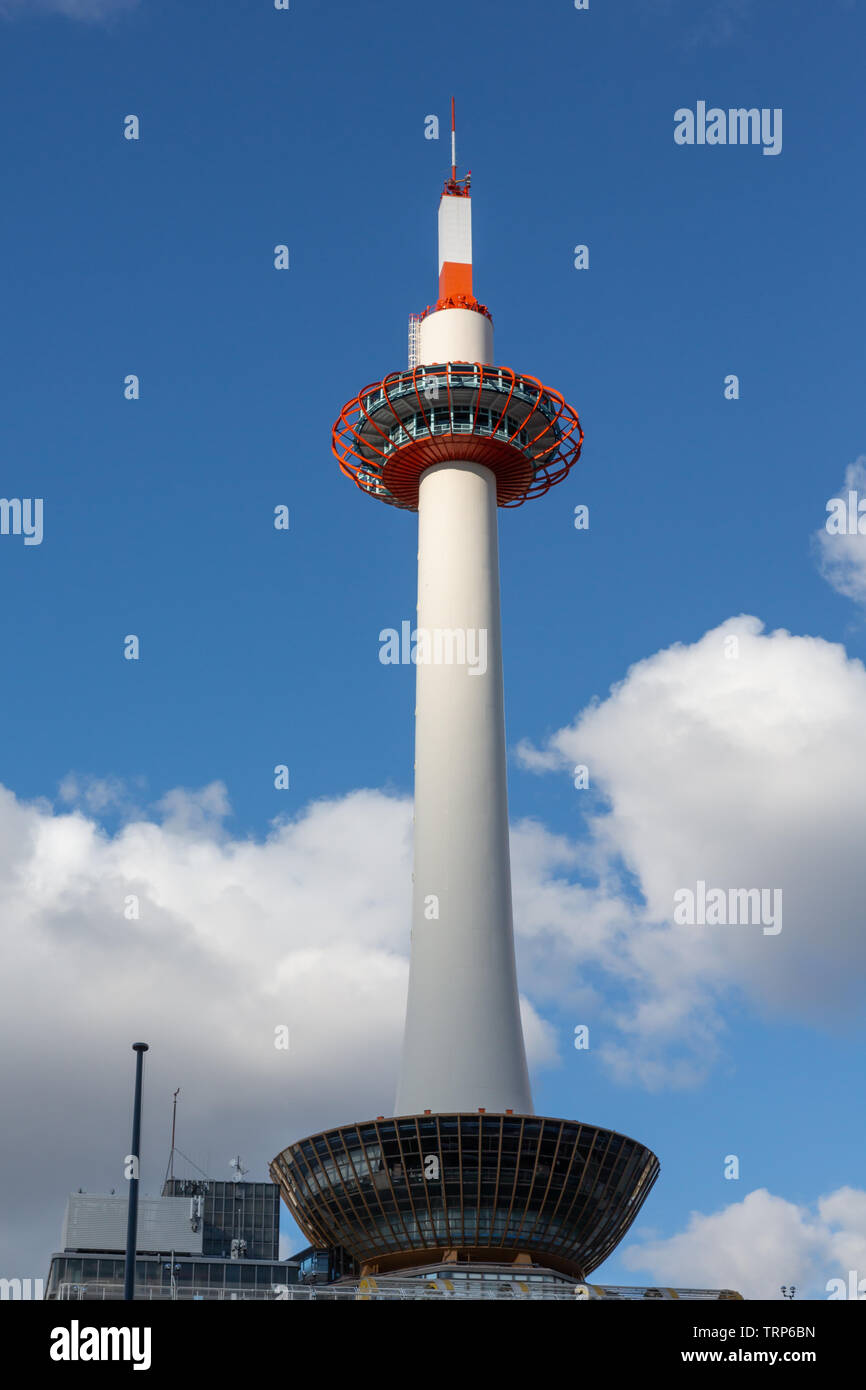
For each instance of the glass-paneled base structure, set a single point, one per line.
(403, 1192)
(98, 1276)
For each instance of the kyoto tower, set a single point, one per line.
(465, 1172)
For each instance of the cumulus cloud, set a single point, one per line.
(735, 761)
(757, 1245)
(175, 931)
(841, 542)
(196, 935)
(88, 10)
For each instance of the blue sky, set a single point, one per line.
(260, 647)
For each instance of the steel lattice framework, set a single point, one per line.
(394, 1192)
(524, 432)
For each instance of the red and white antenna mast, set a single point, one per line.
(454, 187)
(453, 145)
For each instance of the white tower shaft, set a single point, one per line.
(463, 1047)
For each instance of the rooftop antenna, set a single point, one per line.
(240, 1170)
(169, 1172)
(173, 1122)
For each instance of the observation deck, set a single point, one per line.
(524, 432)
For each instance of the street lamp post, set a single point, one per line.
(139, 1049)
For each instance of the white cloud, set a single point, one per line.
(234, 938)
(759, 1244)
(741, 771)
(842, 557)
(96, 794)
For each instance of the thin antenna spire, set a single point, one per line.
(173, 1121)
(169, 1171)
(240, 1170)
(453, 145)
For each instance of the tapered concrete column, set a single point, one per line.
(463, 1047)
